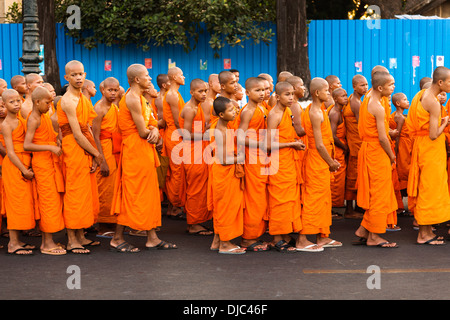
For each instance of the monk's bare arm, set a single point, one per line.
(7, 136)
(172, 100)
(273, 120)
(434, 108)
(316, 122)
(28, 145)
(334, 119)
(96, 126)
(188, 134)
(354, 106)
(134, 105)
(81, 140)
(377, 110)
(159, 107)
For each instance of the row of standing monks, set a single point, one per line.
(269, 165)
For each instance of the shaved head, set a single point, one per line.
(283, 86)
(317, 84)
(71, 65)
(174, 71)
(283, 75)
(16, 80)
(423, 81)
(110, 82)
(134, 71)
(337, 92)
(29, 78)
(294, 80)
(8, 94)
(161, 79)
(357, 79)
(440, 74)
(380, 78)
(40, 93)
(88, 83)
(226, 76)
(196, 83)
(266, 76)
(252, 82)
(397, 97)
(379, 68)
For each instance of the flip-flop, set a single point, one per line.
(92, 243)
(428, 242)
(381, 245)
(308, 248)
(15, 252)
(53, 252)
(252, 247)
(283, 246)
(232, 251)
(360, 242)
(124, 247)
(78, 248)
(331, 245)
(163, 245)
(201, 232)
(107, 234)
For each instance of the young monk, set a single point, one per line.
(18, 200)
(296, 108)
(267, 94)
(75, 114)
(207, 105)
(251, 124)
(375, 188)
(41, 139)
(194, 170)
(89, 89)
(173, 103)
(350, 113)
(3, 112)
(52, 91)
(427, 126)
(228, 86)
(32, 81)
(333, 83)
(136, 200)
(105, 129)
(341, 148)
(3, 86)
(19, 84)
(284, 172)
(319, 164)
(225, 191)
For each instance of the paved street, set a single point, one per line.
(193, 272)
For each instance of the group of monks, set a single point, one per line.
(248, 158)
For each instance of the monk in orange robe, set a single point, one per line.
(333, 83)
(3, 86)
(341, 148)
(272, 100)
(75, 115)
(33, 81)
(194, 170)
(18, 201)
(173, 103)
(225, 195)
(19, 84)
(285, 173)
(251, 123)
(52, 91)
(136, 200)
(105, 129)
(350, 113)
(228, 87)
(318, 166)
(41, 139)
(375, 188)
(207, 105)
(427, 181)
(3, 112)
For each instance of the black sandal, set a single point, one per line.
(283, 246)
(124, 247)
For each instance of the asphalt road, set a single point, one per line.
(195, 273)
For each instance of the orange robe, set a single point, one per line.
(256, 177)
(172, 139)
(427, 181)
(19, 201)
(339, 177)
(194, 174)
(225, 195)
(354, 143)
(80, 207)
(285, 177)
(136, 200)
(47, 168)
(109, 129)
(316, 190)
(375, 188)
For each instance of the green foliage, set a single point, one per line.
(172, 22)
(14, 13)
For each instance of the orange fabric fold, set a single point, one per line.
(285, 177)
(80, 206)
(375, 188)
(316, 191)
(136, 200)
(47, 168)
(427, 180)
(19, 194)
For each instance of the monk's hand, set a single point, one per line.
(98, 159)
(159, 145)
(335, 165)
(104, 169)
(298, 145)
(28, 174)
(393, 133)
(392, 158)
(445, 120)
(57, 150)
(153, 136)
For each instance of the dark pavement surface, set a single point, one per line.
(193, 272)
